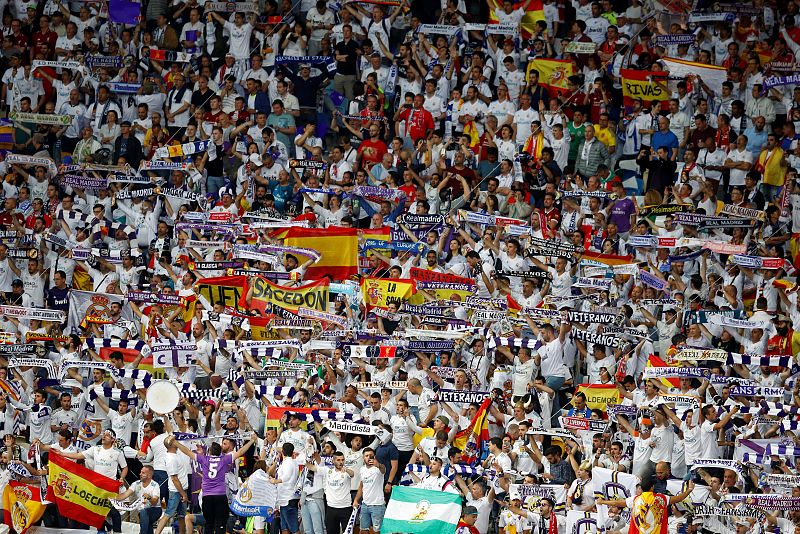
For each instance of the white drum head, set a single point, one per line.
(163, 396)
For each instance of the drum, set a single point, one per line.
(162, 396)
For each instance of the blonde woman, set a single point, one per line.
(580, 495)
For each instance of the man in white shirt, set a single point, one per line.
(370, 492)
(108, 461)
(709, 430)
(711, 160)
(523, 118)
(178, 469)
(596, 25)
(337, 492)
(739, 161)
(286, 480)
(147, 489)
(425, 403)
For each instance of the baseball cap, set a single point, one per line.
(470, 510)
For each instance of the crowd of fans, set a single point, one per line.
(632, 262)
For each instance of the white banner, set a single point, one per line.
(42, 314)
(349, 428)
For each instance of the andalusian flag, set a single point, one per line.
(599, 395)
(338, 248)
(533, 12)
(553, 73)
(472, 439)
(22, 505)
(80, 493)
(421, 511)
(649, 86)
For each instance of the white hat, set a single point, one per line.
(255, 159)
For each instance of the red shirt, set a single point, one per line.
(418, 123)
(41, 38)
(409, 189)
(372, 151)
(31, 220)
(212, 117)
(595, 106)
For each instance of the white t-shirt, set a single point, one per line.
(372, 486)
(737, 175)
(523, 119)
(239, 39)
(122, 425)
(287, 474)
(337, 487)
(107, 462)
(178, 464)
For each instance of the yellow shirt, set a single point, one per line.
(772, 163)
(606, 136)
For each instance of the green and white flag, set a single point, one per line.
(414, 510)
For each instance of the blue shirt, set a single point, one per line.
(756, 141)
(666, 139)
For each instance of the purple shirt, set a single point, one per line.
(214, 469)
(621, 214)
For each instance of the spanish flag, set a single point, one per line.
(380, 292)
(128, 356)
(599, 395)
(655, 361)
(226, 290)
(274, 414)
(608, 259)
(472, 131)
(260, 329)
(80, 493)
(534, 145)
(475, 437)
(650, 86)
(534, 12)
(379, 234)
(22, 505)
(553, 73)
(338, 248)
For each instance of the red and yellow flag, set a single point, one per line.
(655, 361)
(80, 493)
(608, 259)
(534, 12)
(338, 248)
(472, 439)
(553, 73)
(599, 395)
(226, 290)
(380, 292)
(313, 295)
(649, 86)
(22, 505)
(274, 414)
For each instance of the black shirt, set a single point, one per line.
(349, 48)
(202, 100)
